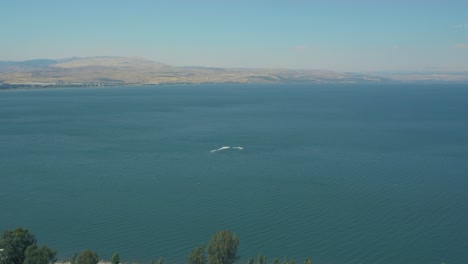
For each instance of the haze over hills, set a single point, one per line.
(97, 71)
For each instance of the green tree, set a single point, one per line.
(276, 261)
(115, 258)
(222, 248)
(308, 261)
(160, 261)
(14, 244)
(286, 261)
(73, 258)
(87, 257)
(197, 256)
(261, 259)
(39, 255)
(250, 261)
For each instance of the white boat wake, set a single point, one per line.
(224, 148)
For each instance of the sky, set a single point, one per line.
(347, 35)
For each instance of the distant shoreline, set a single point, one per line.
(130, 71)
(51, 86)
(9, 87)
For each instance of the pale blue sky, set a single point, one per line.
(342, 35)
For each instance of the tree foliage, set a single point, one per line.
(291, 261)
(286, 261)
(197, 256)
(160, 261)
(87, 257)
(115, 258)
(222, 248)
(39, 255)
(20, 247)
(14, 244)
(73, 258)
(261, 259)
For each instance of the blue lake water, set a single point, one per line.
(338, 173)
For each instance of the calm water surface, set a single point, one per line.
(339, 173)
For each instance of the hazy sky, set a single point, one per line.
(347, 35)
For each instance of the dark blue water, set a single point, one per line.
(338, 173)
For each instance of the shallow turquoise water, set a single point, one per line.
(339, 173)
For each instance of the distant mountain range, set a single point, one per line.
(104, 71)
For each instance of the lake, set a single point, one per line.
(358, 173)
